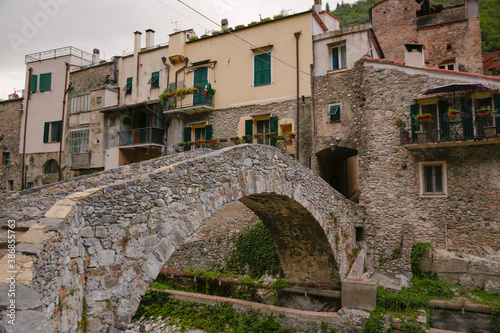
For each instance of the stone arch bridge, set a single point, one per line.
(97, 242)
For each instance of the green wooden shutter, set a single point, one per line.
(249, 128)
(187, 138)
(496, 105)
(46, 130)
(34, 79)
(154, 81)
(208, 132)
(200, 80)
(467, 121)
(45, 81)
(444, 121)
(57, 127)
(415, 126)
(273, 127)
(262, 69)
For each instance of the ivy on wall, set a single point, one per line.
(255, 253)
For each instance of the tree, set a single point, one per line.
(327, 7)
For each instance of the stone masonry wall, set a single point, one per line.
(395, 24)
(396, 213)
(10, 123)
(90, 78)
(130, 228)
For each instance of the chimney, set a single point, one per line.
(224, 23)
(414, 55)
(137, 42)
(150, 36)
(317, 6)
(95, 57)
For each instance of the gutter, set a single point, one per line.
(23, 180)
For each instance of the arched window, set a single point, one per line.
(50, 167)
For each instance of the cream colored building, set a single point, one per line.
(42, 127)
(252, 70)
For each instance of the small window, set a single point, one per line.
(433, 179)
(80, 102)
(79, 142)
(98, 100)
(50, 167)
(10, 185)
(450, 67)
(30, 185)
(262, 69)
(5, 158)
(128, 86)
(155, 80)
(52, 131)
(34, 83)
(360, 234)
(338, 55)
(45, 81)
(448, 47)
(334, 113)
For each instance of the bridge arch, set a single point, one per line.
(118, 238)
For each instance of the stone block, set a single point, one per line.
(106, 257)
(359, 293)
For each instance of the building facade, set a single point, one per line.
(11, 112)
(451, 35)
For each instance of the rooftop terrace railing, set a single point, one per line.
(60, 52)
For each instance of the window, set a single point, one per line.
(45, 81)
(262, 126)
(433, 179)
(80, 102)
(155, 80)
(50, 167)
(338, 55)
(199, 133)
(34, 82)
(30, 185)
(10, 185)
(450, 66)
(5, 158)
(200, 80)
(128, 86)
(79, 142)
(262, 69)
(334, 113)
(52, 131)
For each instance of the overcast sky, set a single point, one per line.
(30, 26)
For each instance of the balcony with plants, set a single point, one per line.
(188, 99)
(449, 126)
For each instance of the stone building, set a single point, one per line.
(451, 35)
(443, 188)
(11, 112)
(92, 89)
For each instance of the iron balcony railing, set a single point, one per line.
(189, 101)
(60, 52)
(446, 16)
(141, 136)
(467, 125)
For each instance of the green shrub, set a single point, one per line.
(239, 26)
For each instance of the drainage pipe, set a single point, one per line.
(297, 36)
(23, 180)
(62, 119)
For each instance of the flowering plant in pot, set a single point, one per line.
(483, 111)
(452, 112)
(201, 141)
(422, 118)
(213, 140)
(246, 137)
(181, 144)
(235, 138)
(258, 135)
(271, 135)
(291, 135)
(222, 139)
(280, 138)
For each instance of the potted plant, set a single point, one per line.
(246, 138)
(213, 140)
(235, 138)
(280, 138)
(191, 143)
(397, 122)
(181, 144)
(490, 130)
(201, 142)
(222, 139)
(484, 110)
(452, 112)
(271, 135)
(422, 136)
(291, 135)
(422, 118)
(258, 135)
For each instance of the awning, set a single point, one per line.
(128, 106)
(455, 87)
